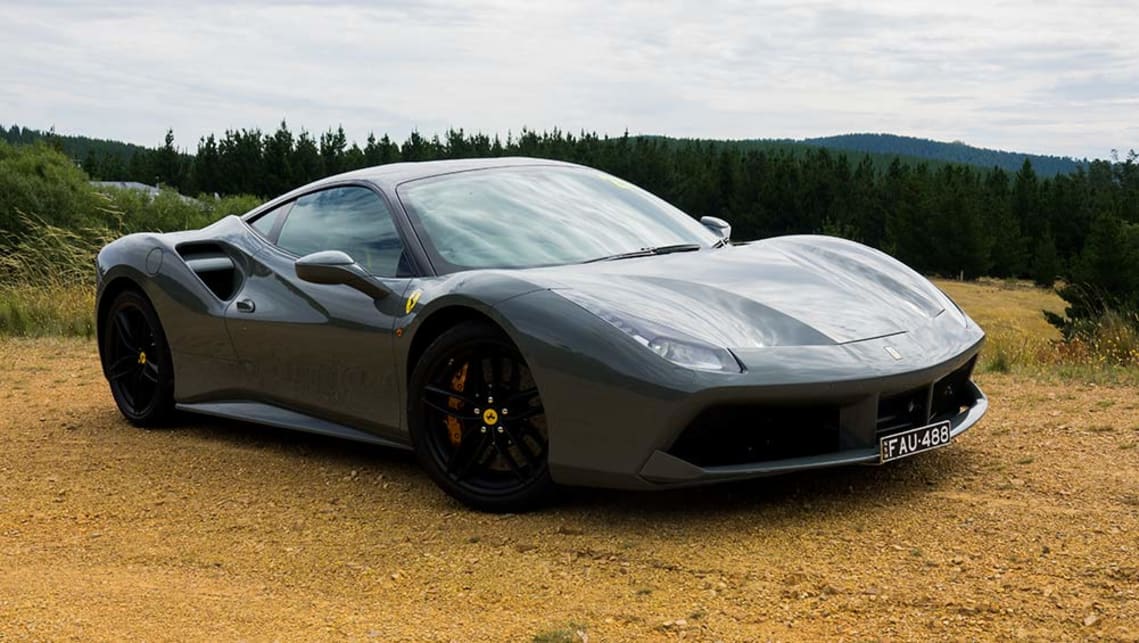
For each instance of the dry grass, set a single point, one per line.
(53, 310)
(1020, 339)
(47, 281)
(1005, 307)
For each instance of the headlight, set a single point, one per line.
(671, 344)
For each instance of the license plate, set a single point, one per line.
(907, 443)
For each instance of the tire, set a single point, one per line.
(491, 456)
(136, 360)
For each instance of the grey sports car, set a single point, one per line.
(523, 323)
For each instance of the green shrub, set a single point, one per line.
(1103, 292)
(39, 179)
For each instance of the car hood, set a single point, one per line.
(784, 291)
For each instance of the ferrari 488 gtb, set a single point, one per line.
(523, 323)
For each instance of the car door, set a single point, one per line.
(325, 350)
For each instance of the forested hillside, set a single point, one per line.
(115, 155)
(957, 152)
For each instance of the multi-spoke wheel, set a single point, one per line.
(136, 360)
(477, 420)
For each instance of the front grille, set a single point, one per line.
(952, 394)
(902, 411)
(941, 400)
(743, 434)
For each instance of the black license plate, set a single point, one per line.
(907, 443)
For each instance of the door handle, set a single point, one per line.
(246, 306)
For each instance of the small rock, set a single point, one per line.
(1091, 619)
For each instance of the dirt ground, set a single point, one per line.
(1027, 527)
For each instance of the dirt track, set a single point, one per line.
(1026, 527)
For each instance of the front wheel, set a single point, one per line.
(477, 420)
(136, 360)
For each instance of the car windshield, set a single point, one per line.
(522, 217)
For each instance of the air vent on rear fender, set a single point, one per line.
(213, 266)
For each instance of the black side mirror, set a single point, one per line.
(721, 228)
(336, 267)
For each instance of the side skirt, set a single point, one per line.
(275, 416)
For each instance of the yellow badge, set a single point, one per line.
(490, 416)
(412, 300)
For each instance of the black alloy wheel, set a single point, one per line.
(477, 420)
(136, 360)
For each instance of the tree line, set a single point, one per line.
(941, 218)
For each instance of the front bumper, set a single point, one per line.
(665, 469)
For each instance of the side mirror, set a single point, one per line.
(718, 226)
(336, 267)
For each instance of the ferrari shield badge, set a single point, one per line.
(412, 300)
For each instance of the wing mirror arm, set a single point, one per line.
(335, 267)
(718, 226)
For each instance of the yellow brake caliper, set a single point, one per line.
(454, 429)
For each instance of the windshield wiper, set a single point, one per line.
(648, 252)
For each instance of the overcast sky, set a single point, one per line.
(1043, 77)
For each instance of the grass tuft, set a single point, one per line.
(570, 633)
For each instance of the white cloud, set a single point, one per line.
(1049, 78)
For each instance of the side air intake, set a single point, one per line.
(213, 266)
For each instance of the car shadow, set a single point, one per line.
(840, 492)
(834, 493)
(336, 451)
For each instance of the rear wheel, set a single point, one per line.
(136, 360)
(477, 420)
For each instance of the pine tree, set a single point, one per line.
(1045, 260)
(279, 175)
(168, 163)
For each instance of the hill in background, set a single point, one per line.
(956, 152)
(77, 147)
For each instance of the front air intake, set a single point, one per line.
(748, 433)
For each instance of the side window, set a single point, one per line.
(351, 219)
(266, 222)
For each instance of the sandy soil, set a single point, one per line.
(1027, 527)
